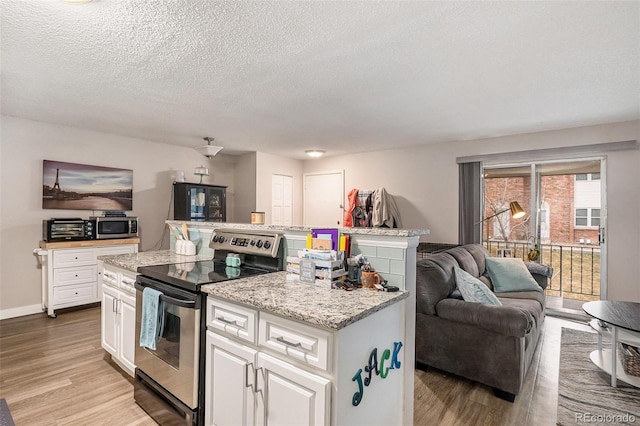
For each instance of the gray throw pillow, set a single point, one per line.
(474, 290)
(510, 274)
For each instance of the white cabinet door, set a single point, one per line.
(288, 395)
(229, 382)
(109, 320)
(127, 341)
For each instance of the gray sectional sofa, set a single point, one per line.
(489, 344)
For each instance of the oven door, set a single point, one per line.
(174, 363)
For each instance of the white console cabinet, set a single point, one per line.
(118, 315)
(70, 271)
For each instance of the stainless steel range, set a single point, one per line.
(170, 379)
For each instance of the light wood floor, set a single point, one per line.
(54, 372)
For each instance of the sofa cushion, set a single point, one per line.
(479, 253)
(530, 307)
(434, 281)
(510, 274)
(486, 280)
(530, 295)
(465, 260)
(474, 290)
(507, 320)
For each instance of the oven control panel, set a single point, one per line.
(249, 241)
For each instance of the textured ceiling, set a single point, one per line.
(282, 77)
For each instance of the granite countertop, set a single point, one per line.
(273, 293)
(316, 305)
(392, 232)
(132, 261)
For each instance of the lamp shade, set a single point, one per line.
(209, 150)
(516, 210)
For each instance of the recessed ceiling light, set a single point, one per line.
(314, 153)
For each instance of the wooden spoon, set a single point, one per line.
(184, 231)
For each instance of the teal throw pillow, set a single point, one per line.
(474, 290)
(510, 274)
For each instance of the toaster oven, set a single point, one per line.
(67, 229)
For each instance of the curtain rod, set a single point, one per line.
(551, 153)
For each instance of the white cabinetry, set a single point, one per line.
(118, 318)
(230, 398)
(70, 271)
(247, 383)
(292, 396)
(265, 369)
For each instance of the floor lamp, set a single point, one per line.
(516, 212)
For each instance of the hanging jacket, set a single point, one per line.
(359, 217)
(385, 210)
(368, 210)
(352, 198)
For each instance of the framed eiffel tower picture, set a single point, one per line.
(72, 186)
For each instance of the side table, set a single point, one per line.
(620, 321)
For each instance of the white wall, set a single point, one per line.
(25, 143)
(266, 166)
(424, 182)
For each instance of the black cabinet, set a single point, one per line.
(199, 203)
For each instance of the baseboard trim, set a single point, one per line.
(20, 312)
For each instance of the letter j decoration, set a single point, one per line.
(388, 361)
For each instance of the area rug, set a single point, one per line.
(585, 395)
(5, 415)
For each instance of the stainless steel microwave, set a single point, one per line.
(114, 227)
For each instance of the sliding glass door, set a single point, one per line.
(563, 227)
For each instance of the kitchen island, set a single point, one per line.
(324, 356)
(284, 351)
(391, 252)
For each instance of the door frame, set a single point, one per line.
(535, 201)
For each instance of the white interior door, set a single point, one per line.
(281, 200)
(323, 199)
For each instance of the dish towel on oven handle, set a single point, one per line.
(152, 320)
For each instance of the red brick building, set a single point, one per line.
(566, 216)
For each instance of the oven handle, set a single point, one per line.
(190, 304)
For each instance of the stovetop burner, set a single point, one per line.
(192, 275)
(260, 251)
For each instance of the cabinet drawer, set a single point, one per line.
(128, 281)
(110, 277)
(82, 274)
(75, 294)
(297, 341)
(231, 319)
(80, 257)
